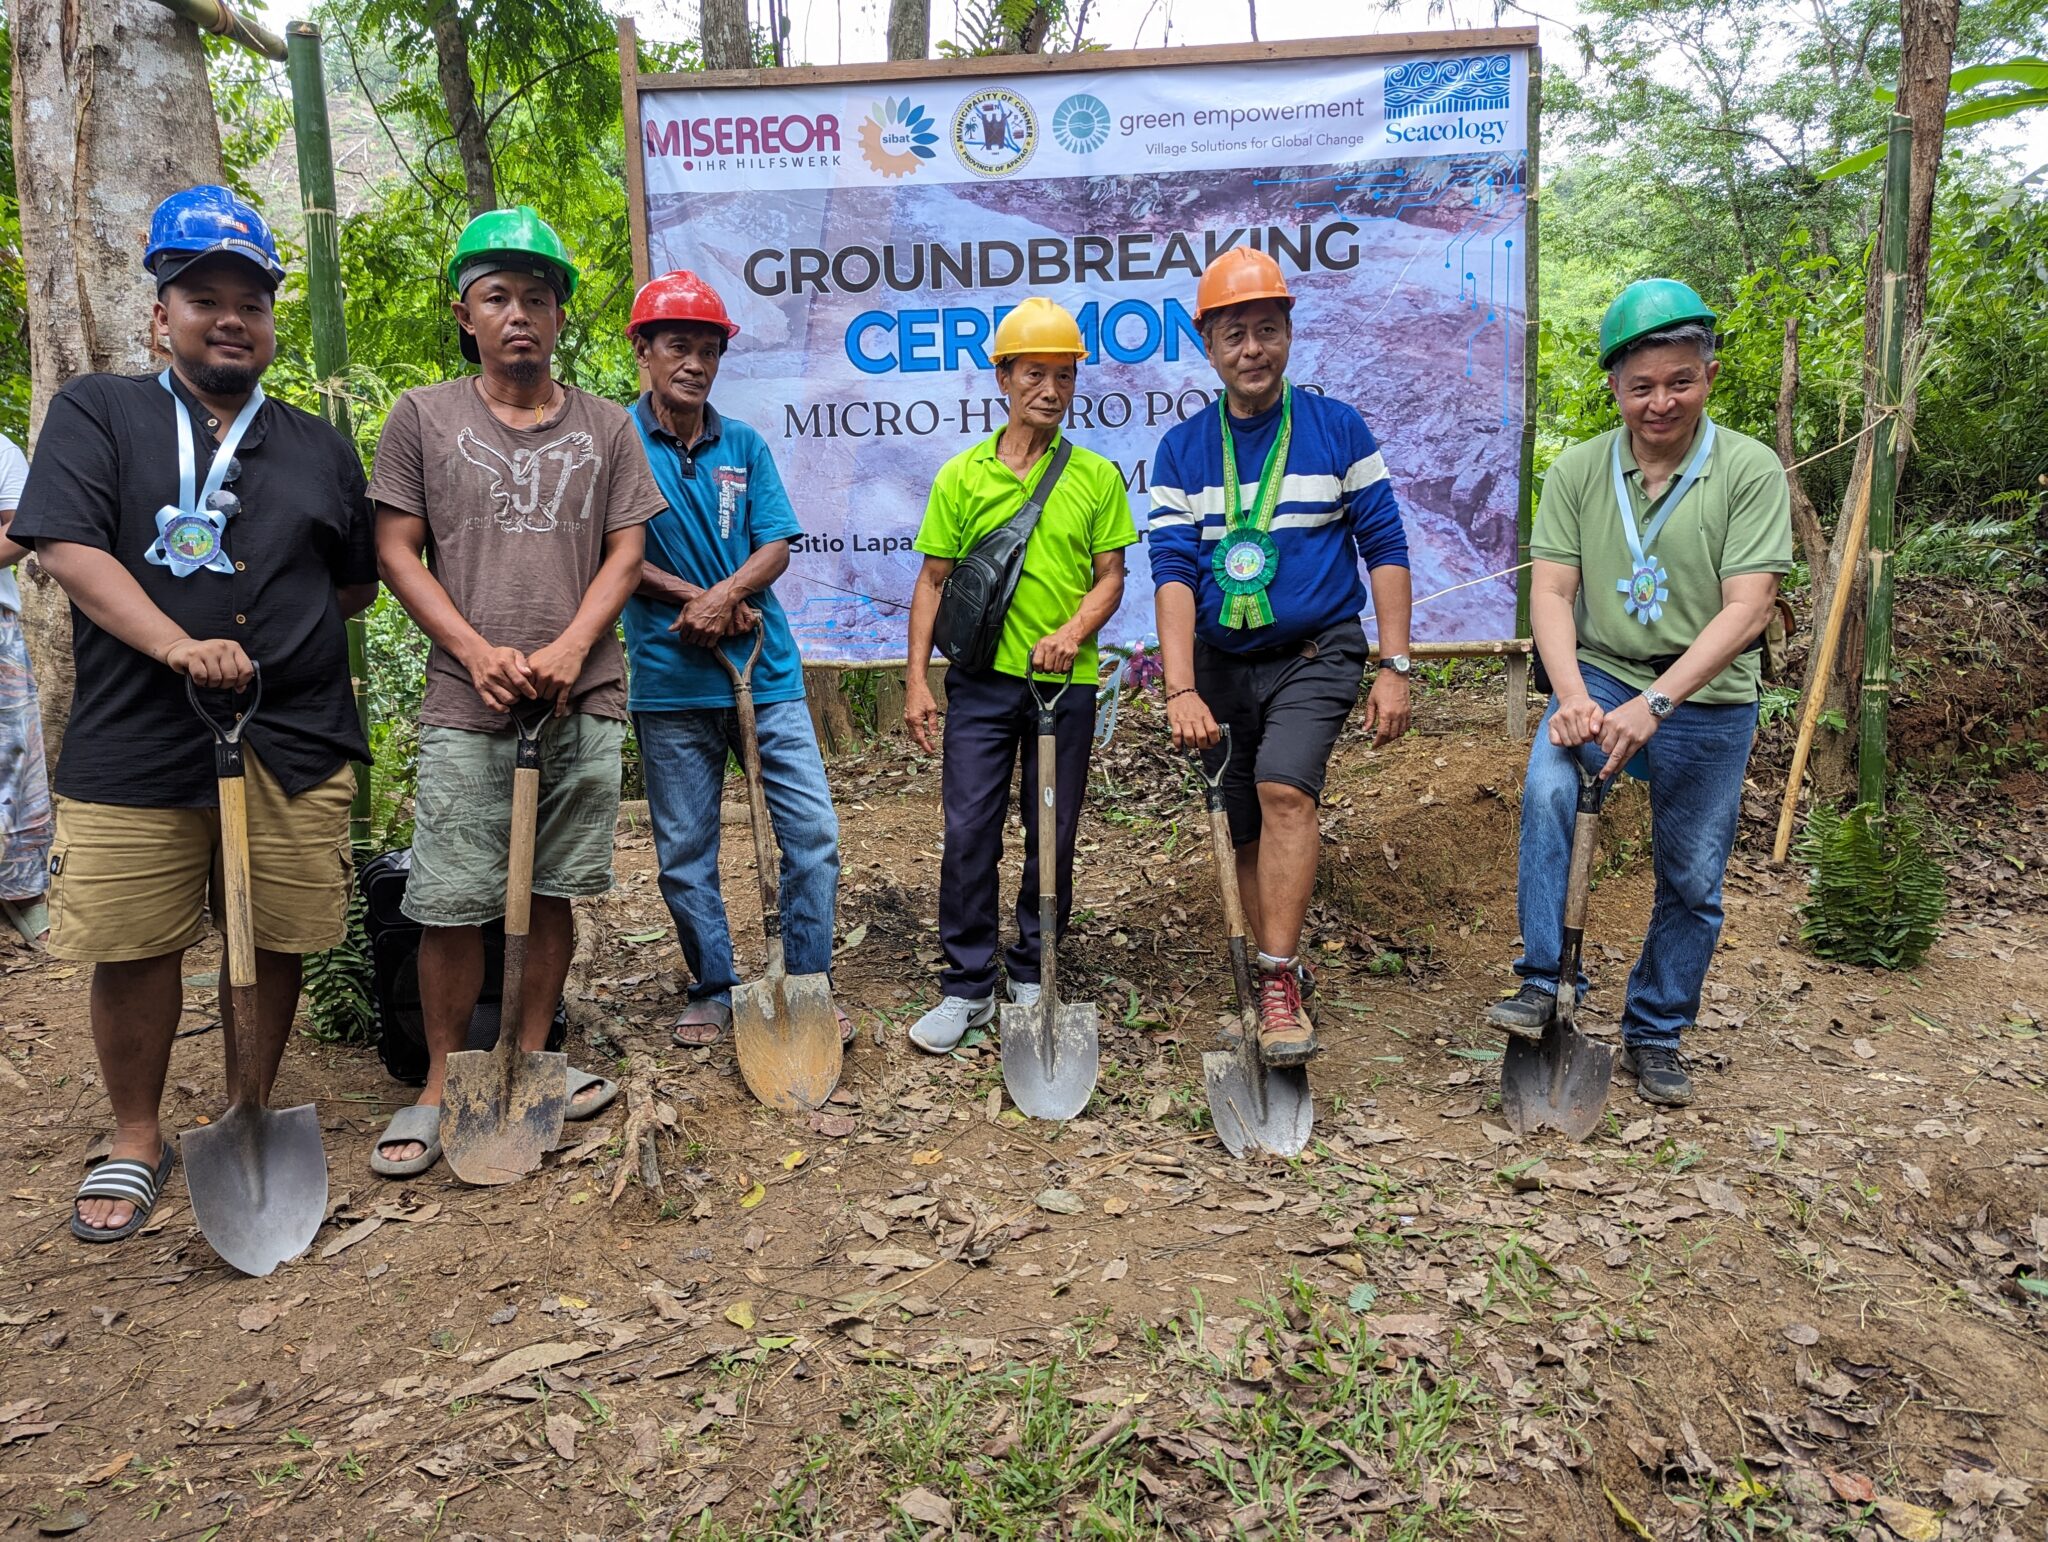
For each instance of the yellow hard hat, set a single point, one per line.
(1038, 325)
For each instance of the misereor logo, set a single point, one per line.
(1081, 124)
(994, 132)
(898, 137)
(1474, 91)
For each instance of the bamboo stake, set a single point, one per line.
(1829, 640)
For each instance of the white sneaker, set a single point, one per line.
(1024, 993)
(942, 1028)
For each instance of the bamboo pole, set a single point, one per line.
(1871, 760)
(315, 144)
(1829, 639)
(221, 18)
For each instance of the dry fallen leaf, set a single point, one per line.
(521, 1362)
(1916, 1180)
(922, 1505)
(753, 1197)
(1865, 1050)
(741, 1314)
(1115, 1206)
(562, 1432)
(254, 1319)
(925, 1158)
(794, 1160)
(1059, 1201)
(1910, 1521)
(889, 1258)
(1803, 1334)
(1115, 1269)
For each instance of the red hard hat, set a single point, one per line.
(679, 296)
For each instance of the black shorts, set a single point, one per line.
(1284, 708)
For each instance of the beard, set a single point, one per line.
(525, 373)
(223, 380)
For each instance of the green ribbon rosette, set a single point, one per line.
(1246, 559)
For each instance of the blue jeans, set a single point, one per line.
(1696, 760)
(683, 757)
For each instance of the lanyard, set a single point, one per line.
(1271, 474)
(1667, 505)
(217, 473)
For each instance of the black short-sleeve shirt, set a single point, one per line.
(106, 461)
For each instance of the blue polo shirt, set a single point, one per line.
(725, 502)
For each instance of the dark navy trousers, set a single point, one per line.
(992, 725)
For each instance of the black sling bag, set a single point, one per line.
(978, 591)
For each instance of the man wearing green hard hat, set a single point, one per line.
(1657, 553)
(510, 509)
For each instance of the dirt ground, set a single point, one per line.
(1812, 1305)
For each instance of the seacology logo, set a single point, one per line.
(897, 137)
(1450, 101)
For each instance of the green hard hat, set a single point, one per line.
(520, 234)
(1646, 306)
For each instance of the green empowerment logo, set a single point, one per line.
(1081, 124)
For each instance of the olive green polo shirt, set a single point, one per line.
(1737, 518)
(1088, 513)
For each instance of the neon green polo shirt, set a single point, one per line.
(1088, 513)
(1736, 519)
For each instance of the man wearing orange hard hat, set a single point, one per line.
(1023, 541)
(1263, 511)
(712, 555)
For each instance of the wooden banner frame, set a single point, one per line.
(632, 84)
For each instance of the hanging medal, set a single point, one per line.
(1647, 587)
(191, 534)
(1246, 559)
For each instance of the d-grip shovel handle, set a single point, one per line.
(1226, 874)
(742, 677)
(232, 787)
(1048, 846)
(1578, 884)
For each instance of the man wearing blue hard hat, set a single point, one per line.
(1657, 553)
(200, 528)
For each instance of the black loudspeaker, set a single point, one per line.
(395, 974)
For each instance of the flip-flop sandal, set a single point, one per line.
(419, 1122)
(848, 1029)
(590, 1107)
(126, 1179)
(717, 1030)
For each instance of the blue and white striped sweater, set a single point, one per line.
(1336, 511)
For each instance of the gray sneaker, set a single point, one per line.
(1526, 1013)
(1024, 993)
(941, 1029)
(1660, 1074)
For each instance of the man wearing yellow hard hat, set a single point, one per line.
(1006, 611)
(1263, 512)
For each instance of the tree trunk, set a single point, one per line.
(728, 40)
(105, 128)
(1928, 45)
(458, 96)
(910, 29)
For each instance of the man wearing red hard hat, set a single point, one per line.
(711, 558)
(1263, 512)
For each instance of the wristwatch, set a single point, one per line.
(1660, 704)
(1399, 663)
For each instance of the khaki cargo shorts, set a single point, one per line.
(132, 883)
(462, 818)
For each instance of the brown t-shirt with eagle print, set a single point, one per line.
(516, 521)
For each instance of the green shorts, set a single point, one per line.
(462, 814)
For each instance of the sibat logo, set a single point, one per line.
(527, 490)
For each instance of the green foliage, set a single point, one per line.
(2030, 75)
(14, 367)
(337, 982)
(1875, 894)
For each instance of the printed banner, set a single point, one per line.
(868, 237)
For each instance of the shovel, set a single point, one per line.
(1255, 1107)
(785, 1030)
(1051, 1052)
(502, 1108)
(257, 1176)
(1561, 1079)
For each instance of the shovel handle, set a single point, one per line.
(1048, 857)
(1578, 885)
(757, 796)
(742, 676)
(519, 878)
(231, 786)
(1226, 880)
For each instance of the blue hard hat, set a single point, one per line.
(202, 222)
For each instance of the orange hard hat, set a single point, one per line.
(679, 296)
(1237, 277)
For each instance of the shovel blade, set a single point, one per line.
(500, 1117)
(787, 1039)
(258, 1181)
(1051, 1076)
(1256, 1107)
(1559, 1080)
